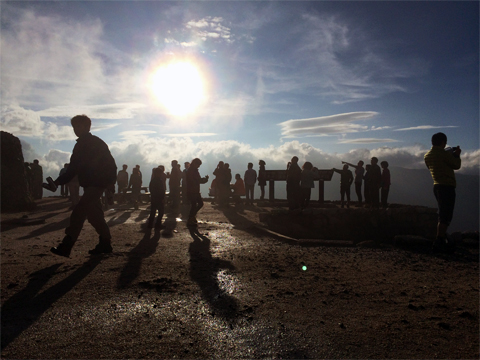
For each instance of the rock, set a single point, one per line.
(15, 193)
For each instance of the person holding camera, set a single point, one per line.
(442, 162)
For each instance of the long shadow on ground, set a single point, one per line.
(204, 269)
(145, 248)
(25, 307)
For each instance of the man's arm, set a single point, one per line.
(355, 166)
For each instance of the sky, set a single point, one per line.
(242, 81)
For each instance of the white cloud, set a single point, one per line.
(104, 111)
(191, 135)
(63, 67)
(326, 125)
(366, 141)
(27, 123)
(424, 127)
(210, 28)
(150, 152)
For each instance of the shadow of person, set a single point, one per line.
(145, 248)
(116, 220)
(170, 225)
(203, 270)
(25, 307)
(60, 225)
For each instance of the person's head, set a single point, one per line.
(162, 168)
(157, 172)
(195, 163)
(345, 167)
(439, 139)
(360, 163)
(250, 166)
(227, 166)
(174, 163)
(137, 166)
(294, 160)
(35, 162)
(220, 164)
(124, 166)
(261, 162)
(237, 176)
(384, 164)
(81, 124)
(187, 164)
(178, 166)
(135, 171)
(308, 165)
(374, 160)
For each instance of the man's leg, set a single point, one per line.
(358, 190)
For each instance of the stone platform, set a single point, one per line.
(356, 224)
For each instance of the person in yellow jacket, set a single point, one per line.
(442, 162)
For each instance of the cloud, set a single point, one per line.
(191, 135)
(326, 125)
(210, 28)
(22, 122)
(424, 127)
(150, 152)
(366, 141)
(62, 67)
(28, 123)
(339, 61)
(104, 111)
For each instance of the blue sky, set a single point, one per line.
(326, 81)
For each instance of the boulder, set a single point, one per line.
(15, 193)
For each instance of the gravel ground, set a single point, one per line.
(227, 290)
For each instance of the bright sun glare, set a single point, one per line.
(179, 87)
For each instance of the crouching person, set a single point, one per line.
(92, 161)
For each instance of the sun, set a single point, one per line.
(179, 87)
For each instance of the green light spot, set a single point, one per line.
(304, 268)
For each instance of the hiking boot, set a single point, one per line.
(64, 248)
(101, 248)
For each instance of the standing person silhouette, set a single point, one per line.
(95, 167)
(250, 178)
(135, 184)
(442, 162)
(37, 175)
(174, 185)
(375, 181)
(359, 171)
(64, 188)
(157, 198)
(346, 179)
(294, 175)
(307, 183)
(262, 178)
(184, 182)
(122, 181)
(193, 190)
(385, 185)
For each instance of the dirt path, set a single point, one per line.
(227, 290)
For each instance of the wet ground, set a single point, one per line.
(227, 290)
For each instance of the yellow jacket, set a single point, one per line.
(442, 164)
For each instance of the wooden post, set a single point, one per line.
(321, 191)
(271, 190)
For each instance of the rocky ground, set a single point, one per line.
(228, 290)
